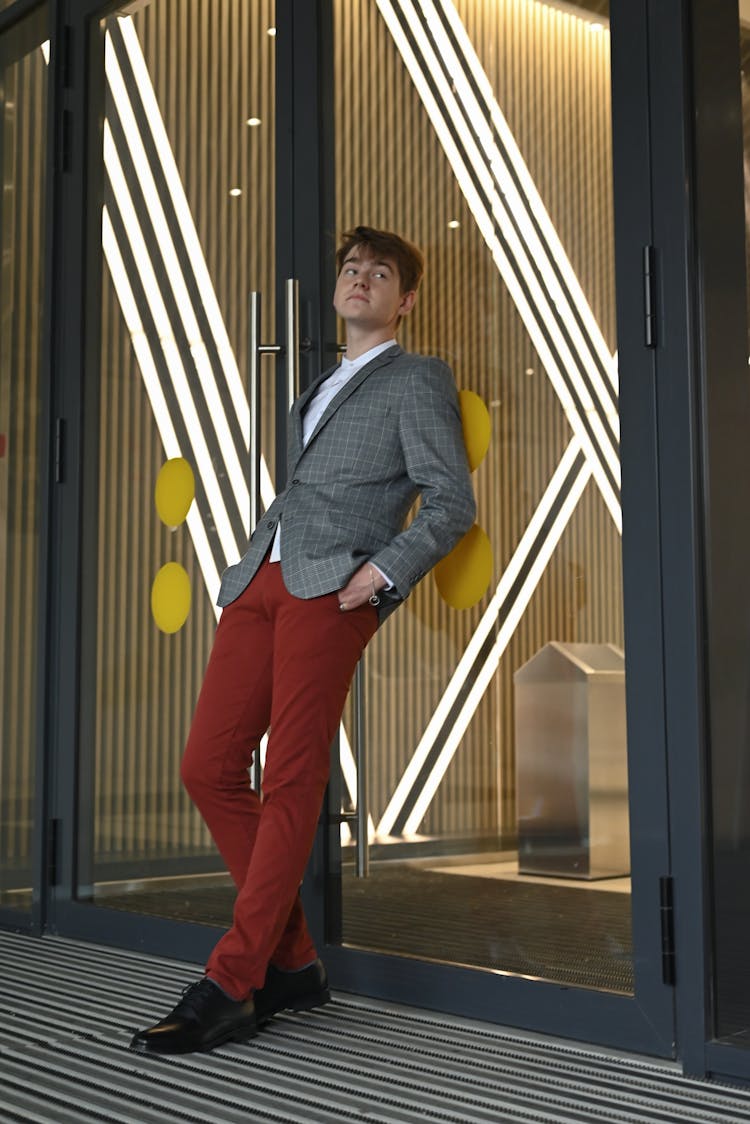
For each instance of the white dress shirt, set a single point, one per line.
(315, 409)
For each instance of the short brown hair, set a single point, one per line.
(407, 258)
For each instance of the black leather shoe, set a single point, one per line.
(205, 1017)
(291, 991)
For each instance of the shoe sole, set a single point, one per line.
(239, 1034)
(300, 1003)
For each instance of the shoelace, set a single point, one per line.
(195, 996)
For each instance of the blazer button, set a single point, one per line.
(296, 481)
(270, 524)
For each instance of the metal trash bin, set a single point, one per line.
(571, 762)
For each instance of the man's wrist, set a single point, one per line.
(387, 583)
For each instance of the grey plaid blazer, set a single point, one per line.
(392, 433)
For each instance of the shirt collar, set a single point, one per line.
(349, 366)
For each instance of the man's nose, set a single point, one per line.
(359, 280)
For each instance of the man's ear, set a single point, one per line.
(407, 302)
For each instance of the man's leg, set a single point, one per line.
(316, 649)
(232, 715)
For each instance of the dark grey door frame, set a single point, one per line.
(704, 416)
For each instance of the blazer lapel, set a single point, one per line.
(349, 388)
(299, 406)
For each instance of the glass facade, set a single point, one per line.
(23, 104)
(497, 799)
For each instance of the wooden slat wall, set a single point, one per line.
(550, 73)
(23, 205)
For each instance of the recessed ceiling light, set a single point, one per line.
(235, 191)
(529, 371)
(596, 27)
(271, 31)
(453, 224)
(253, 122)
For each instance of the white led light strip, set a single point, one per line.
(486, 222)
(487, 623)
(480, 163)
(176, 282)
(170, 350)
(488, 671)
(197, 260)
(155, 393)
(572, 293)
(468, 117)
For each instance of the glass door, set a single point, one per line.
(484, 808)
(181, 160)
(23, 130)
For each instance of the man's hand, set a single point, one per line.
(360, 587)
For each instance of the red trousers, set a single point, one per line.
(284, 664)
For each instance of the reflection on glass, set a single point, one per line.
(23, 101)
(495, 740)
(187, 232)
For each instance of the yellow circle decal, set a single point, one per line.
(170, 597)
(174, 491)
(475, 419)
(462, 577)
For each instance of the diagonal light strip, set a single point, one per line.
(488, 621)
(593, 351)
(168, 344)
(192, 244)
(176, 282)
(592, 347)
(488, 671)
(535, 323)
(153, 387)
(527, 249)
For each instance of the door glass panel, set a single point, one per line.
(186, 172)
(494, 738)
(23, 100)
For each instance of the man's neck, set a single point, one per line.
(358, 343)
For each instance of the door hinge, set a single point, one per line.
(53, 852)
(649, 295)
(666, 912)
(59, 450)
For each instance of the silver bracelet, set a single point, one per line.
(373, 598)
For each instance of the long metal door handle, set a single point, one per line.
(291, 339)
(255, 350)
(253, 376)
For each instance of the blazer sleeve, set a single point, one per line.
(435, 455)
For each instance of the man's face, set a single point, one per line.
(368, 292)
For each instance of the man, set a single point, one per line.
(326, 564)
